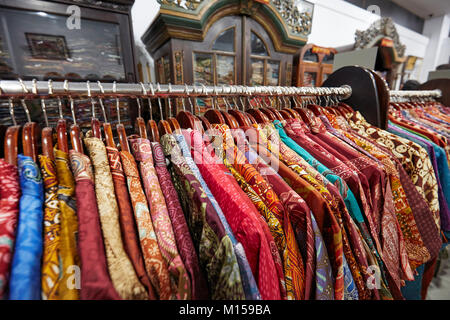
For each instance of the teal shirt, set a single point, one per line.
(349, 198)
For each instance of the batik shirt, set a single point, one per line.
(155, 265)
(25, 279)
(248, 281)
(416, 250)
(9, 213)
(439, 161)
(95, 281)
(51, 256)
(419, 207)
(126, 219)
(69, 226)
(120, 268)
(213, 245)
(296, 209)
(180, 227)
(413, 157)
(229, 204)
(292, 260)
(160, 216)
(383, 213)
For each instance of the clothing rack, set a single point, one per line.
(21, 88)
(416, 94)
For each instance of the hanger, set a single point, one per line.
(257, 114)
(95, 123)
(120, 129)
(75, 132)
(172, 121)
(229, 119)
(316, 108)
(140, 127)
(282, 99)
(238, 115)
(154, 133)
(205, 122)
(270, 107)
(109, 137)
(29, 130)
(186, 119)
(11, 146)
(269, 112)
(163, 125)
(287, 113)
(47, 132)
(213, 115)
(29, 135)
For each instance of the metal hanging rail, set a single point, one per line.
(19, 88)
(416, 94)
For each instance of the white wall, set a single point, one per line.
(143, 13)
(335, 23)
(438, 50)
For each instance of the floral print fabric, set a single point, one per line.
(25, 279)
(163, 227)
(9, 214)
(126, 219)
(120, 268)
(51, 256)
(96, 283)
(69, 226)
(215, 248)
(154, 262)
(180, 227)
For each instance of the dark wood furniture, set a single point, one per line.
(40, 39)
(313, 65)
(233, 42)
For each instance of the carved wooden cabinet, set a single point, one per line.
(312, 65)
(218, 42)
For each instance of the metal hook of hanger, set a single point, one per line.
(189, 98)
(11, 111)
(294, 98)
(117, 101)
(194, 90)
(24, 88)
(247, 93)
(71, 102)
(22, 101)
(241, 97)
(88, 84)
(183, 98)
(150, 105)
(100, 100)
(225, 98)
(214, 98)
(27, 112)
(168, 100)
(61, 115)
(158, 89)
(43, 106)
(204, 93)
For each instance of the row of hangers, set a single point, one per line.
(235, 116)
(303, 108)
(412, 103)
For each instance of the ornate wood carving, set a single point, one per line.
(379, 29)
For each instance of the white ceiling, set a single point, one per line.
(425, 8)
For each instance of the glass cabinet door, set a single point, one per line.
(39, 45)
